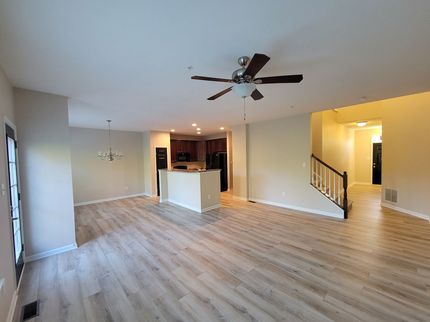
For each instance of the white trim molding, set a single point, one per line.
(109, 199)
(199, 210)
(361, 183)
(405, 211)
(12, 307)
(211, 208)
(235, 197)
(308, 210)
(51, 252)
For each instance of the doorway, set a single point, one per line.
(377, 163)
(161, 161)
(14, 200)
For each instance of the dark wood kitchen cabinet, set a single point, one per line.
(201, 150)
(197, 149)
(217, 145)
(183, 146)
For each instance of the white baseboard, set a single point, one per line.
(211, 208)
(362, 183)
(308, 210)
(12, 306)
(406, 211)
(199, 210)
(240, 198)
(51, 252)
(110, 199)
(183, 205)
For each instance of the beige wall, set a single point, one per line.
(360, 112)
(230, 160)
(147, 175)
(95, 179)
(151, 141)
(45, 166)
(239, 159)
(7, 268)
(278, 159)
(338, 145)
(406, 151)
(316, 132)
(364, 154)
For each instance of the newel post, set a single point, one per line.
(345, 195)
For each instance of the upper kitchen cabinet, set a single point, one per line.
(217, 145)
(201, 150)
(183, 146)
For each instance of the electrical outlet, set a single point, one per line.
(209, 196)
(283, 193)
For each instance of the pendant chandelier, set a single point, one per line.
(109, 155)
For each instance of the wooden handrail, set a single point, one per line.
(326, 165)
(342, 203)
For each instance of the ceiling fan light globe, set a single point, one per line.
(244, 89)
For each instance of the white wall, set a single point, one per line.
(151, 141)
(239, 159)
(278, 166)
(95, 179)
(406, 151)
(317, 133)
(364, 154)
(7, 268)
(46, 176)
(147, 175)
(338, 145)
(229, 160)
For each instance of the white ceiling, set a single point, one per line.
(127, 60)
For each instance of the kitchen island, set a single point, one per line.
(195, 190)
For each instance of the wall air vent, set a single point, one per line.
(390, 195)
(30, 310)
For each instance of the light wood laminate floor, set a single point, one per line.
(141, 261)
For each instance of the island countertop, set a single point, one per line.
(190, 170)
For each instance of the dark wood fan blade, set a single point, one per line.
(214, 97)
(212, 79)
(256, 95)
(256, 64)
(279, 79)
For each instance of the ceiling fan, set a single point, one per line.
(244, 78)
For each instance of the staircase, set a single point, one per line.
(331, 183)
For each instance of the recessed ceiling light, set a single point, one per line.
(199, 132)
(194, 124)
(361, 123)
(221, 128)
(172, 130)
(198, 129)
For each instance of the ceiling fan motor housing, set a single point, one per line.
(243, 61)
(238, 74)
